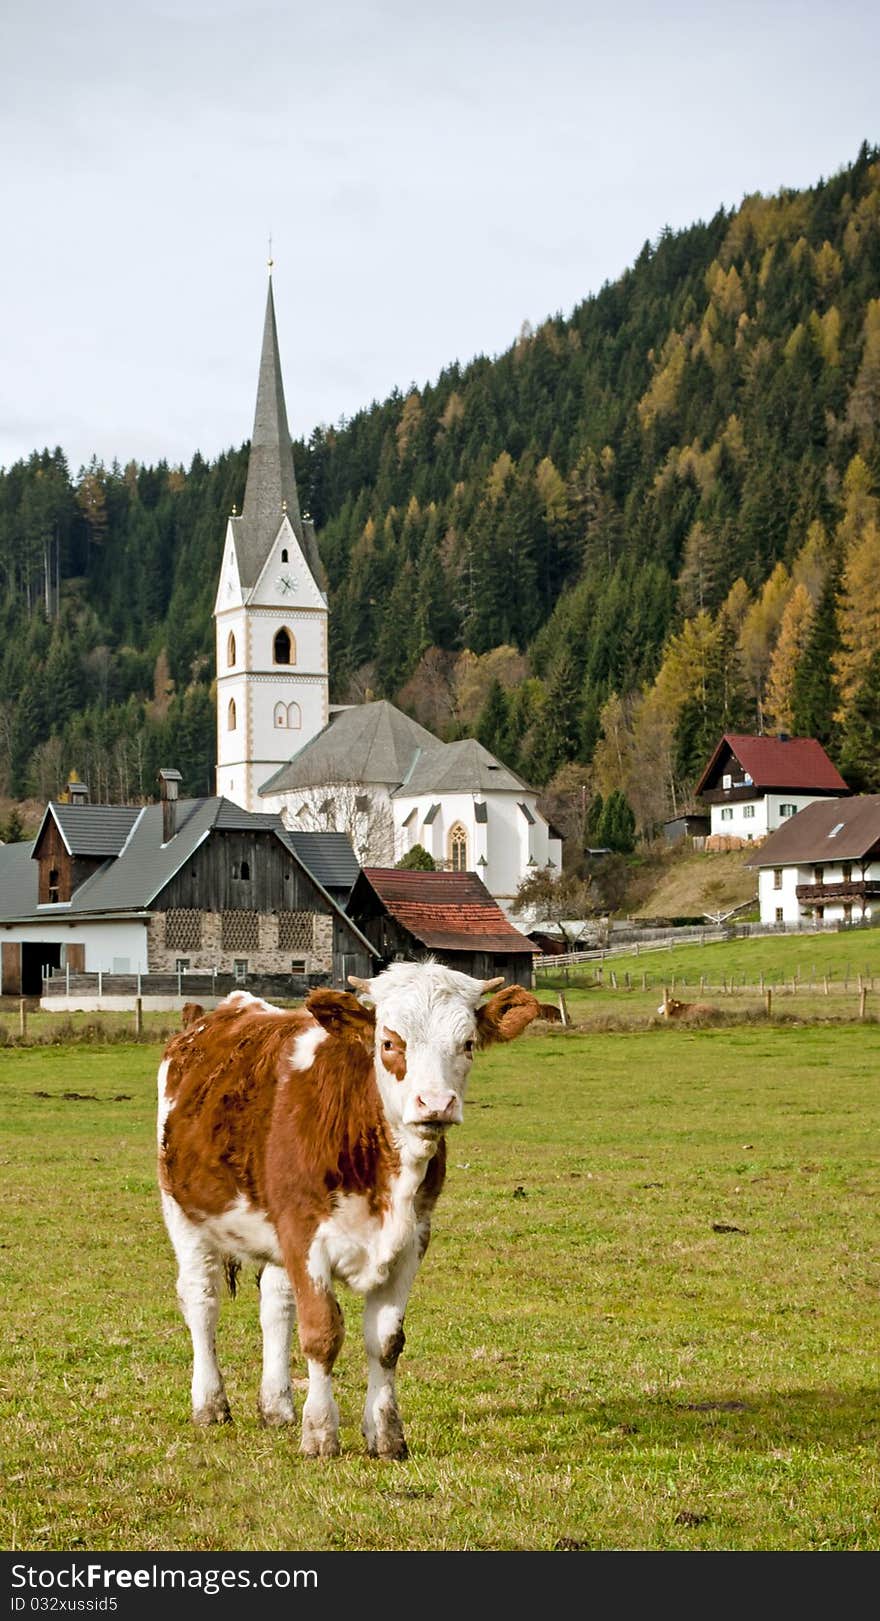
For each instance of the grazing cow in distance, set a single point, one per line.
(671, 1008)
(190, 1012)
(312, 1143)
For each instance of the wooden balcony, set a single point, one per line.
(854, 889)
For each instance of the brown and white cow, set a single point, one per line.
(672, 1008)
(312, 1143)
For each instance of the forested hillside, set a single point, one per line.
(644, 523)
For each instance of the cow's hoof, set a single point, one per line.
(391, 1452)
(320, 1446)
(214, 1411)
(387, 1440)
(277, 1413)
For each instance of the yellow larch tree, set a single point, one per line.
(794, 633)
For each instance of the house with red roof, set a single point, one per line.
(407, 915)
(752, 785)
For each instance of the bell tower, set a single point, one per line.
(270, 613)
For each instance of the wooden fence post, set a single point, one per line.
(825, 983)
(138, 1015)
(22, 1017)
(563, 1011)
(863, 997)
(768, 999)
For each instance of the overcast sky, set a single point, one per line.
(432, 175)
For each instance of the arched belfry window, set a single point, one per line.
(230, 716)
(284, 647)
(280, 715)
(294, 716)
(230, 650)
(284, 557)
(458, 848)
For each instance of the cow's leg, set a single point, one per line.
(384, 1338)
(277, 1307)
(321, 1332)
(199, 1280)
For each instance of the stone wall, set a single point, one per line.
(267, 957)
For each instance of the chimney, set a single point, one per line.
(77, 792)
(168, 781)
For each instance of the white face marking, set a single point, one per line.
(433, 1011)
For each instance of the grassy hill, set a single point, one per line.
(689, 884)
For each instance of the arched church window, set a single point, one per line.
(458, 848)
(280, 715)
(284, 557)
(230, 716)
(294, 716)
(284, 647)
(230, 650)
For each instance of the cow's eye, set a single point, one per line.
(388, 1046)
(469, 1046)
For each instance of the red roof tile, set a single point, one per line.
(450, 911)
(775, 762)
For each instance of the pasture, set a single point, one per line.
(647, 1318)
(817, 976)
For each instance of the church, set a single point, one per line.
(367, 770)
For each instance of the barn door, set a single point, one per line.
(10, 962)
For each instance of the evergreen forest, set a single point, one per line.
(649, 521)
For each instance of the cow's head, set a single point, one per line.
(430, 1021)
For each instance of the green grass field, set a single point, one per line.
(815, 976)
(647, 1319)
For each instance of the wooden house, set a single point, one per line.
(450, 916)
(179, 886)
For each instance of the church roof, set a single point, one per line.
(464, 767)
(270, 490)
(369, 743)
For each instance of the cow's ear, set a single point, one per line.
(505, 1016)
(342, 1014)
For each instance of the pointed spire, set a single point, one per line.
(271, 482)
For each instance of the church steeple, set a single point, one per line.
(271, 491)
(271, 608)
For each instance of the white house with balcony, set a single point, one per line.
(752, 785)
(823, 866)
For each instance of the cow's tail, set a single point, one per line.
(232, 1267)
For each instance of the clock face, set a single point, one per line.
(286, 583)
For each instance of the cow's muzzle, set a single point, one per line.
(436, 1110)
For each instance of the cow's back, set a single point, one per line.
(221, 1078)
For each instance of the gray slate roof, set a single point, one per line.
(93, 830)
(465, 767)
(131, 883)
(829, 830)
(369, 743)
(18, 879)
(271, 481)
(329, 857)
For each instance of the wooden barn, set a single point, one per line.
(450, 916)
(183, 886)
